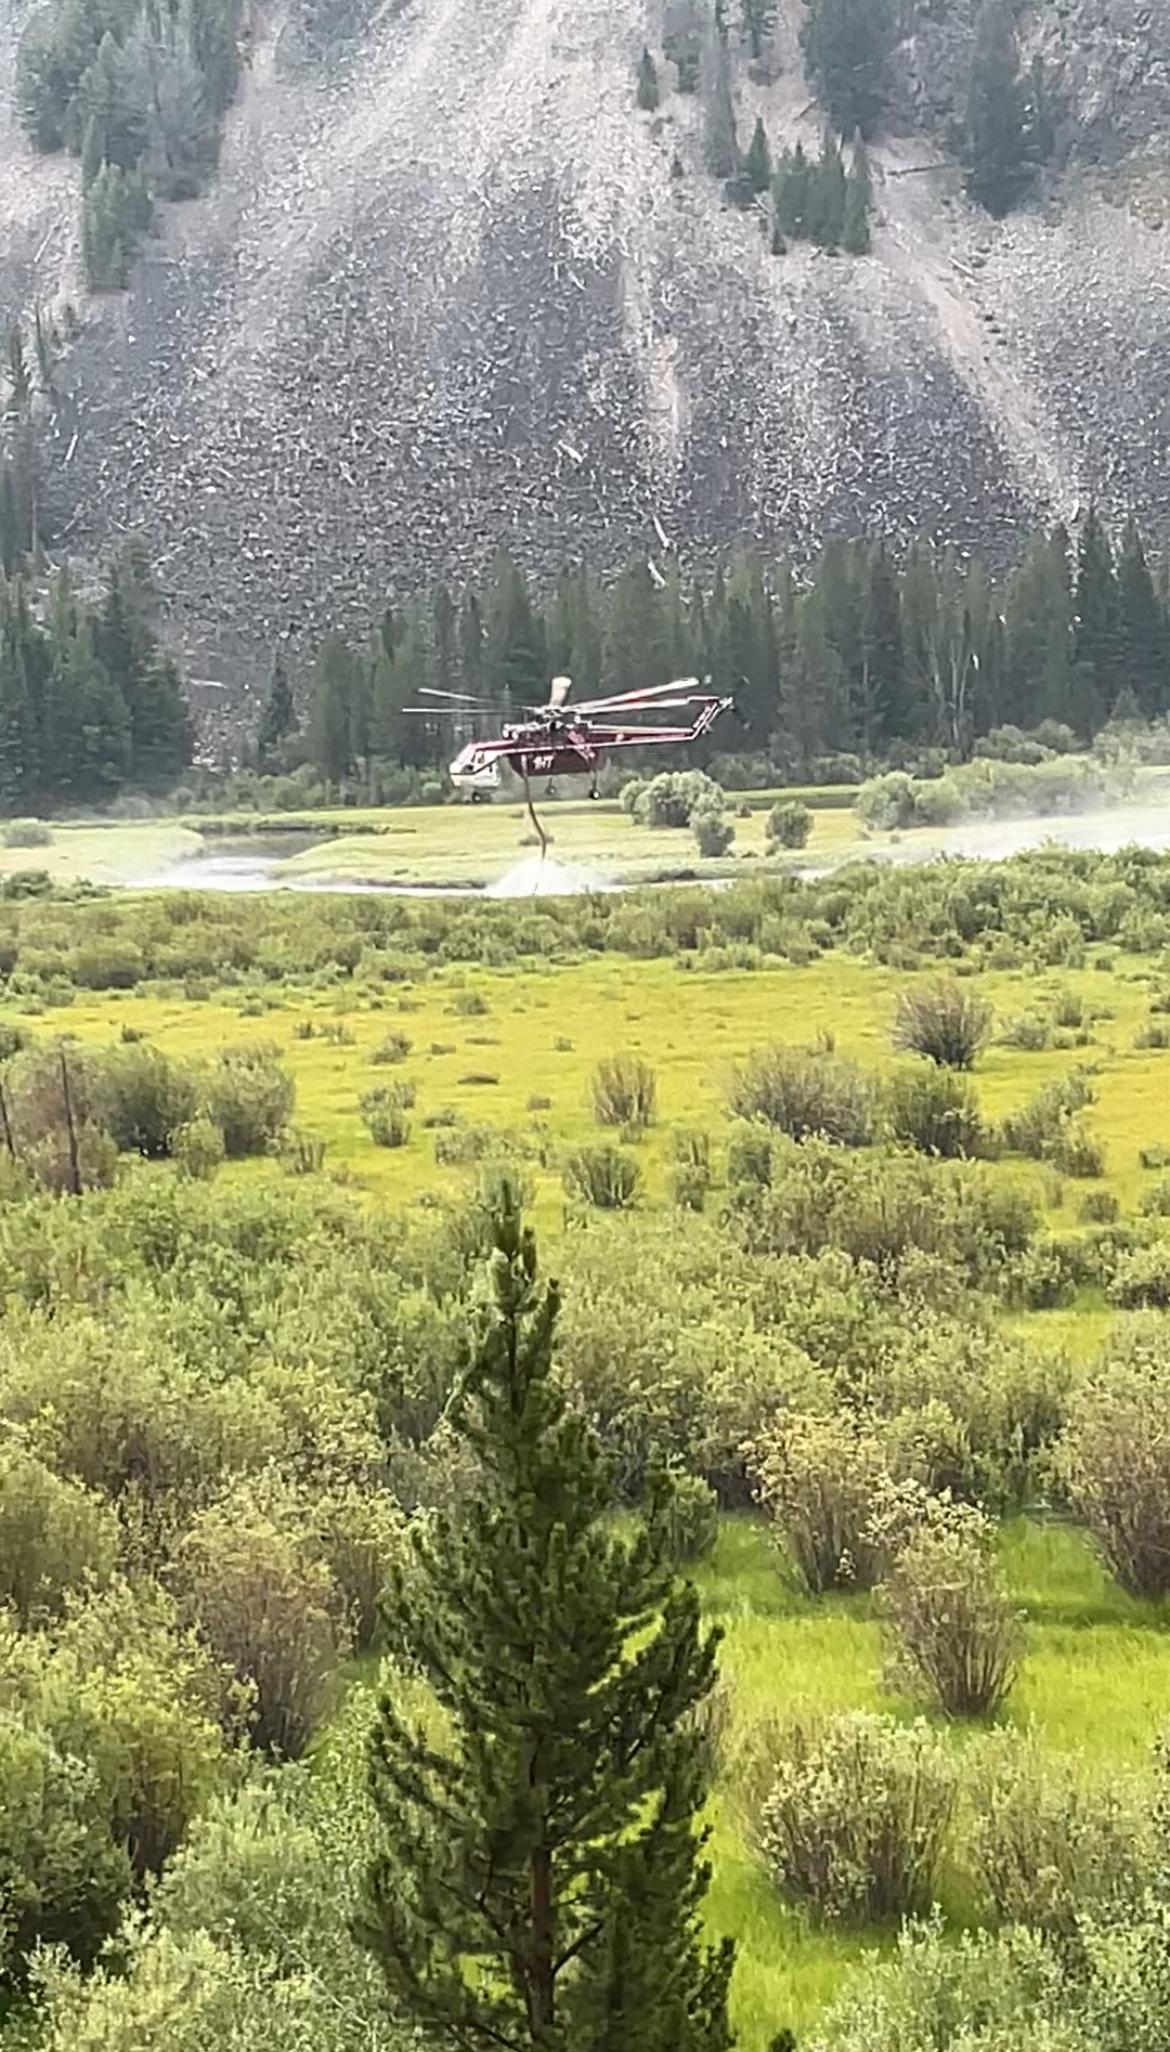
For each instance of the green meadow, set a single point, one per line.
(512, 1050)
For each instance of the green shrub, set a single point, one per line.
(1141, 1279)
(672, 798)
(249, 1097)
(945, 1020)
(691, 1175)
(806, 1094)
(143, 1098)
(1030, 1033)
(469, 1004)
(383, 1115)
(957, 1639)
(1048, 1842)
(55, 1537)
(1099, 1207)
(302, 1153)
(198, 1149)
(624, 1092)
(605, 1177)
(1039, 1128)
(1078, 1153)
(856, 1821)
(108, 963)
(713, 831)
(690, 1519)
(1155, 1157)
(936, 1111)
(818, 1477)
(27, 833)
(268, 1610)
(1156, 1201)
(789, 824)
(1114, 1460)
(393, 1047)
(64, 1877)
(456, 1145)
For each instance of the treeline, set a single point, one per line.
(873, 657)
(137, 90)
(89, 702)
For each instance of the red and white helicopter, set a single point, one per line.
(560, 740)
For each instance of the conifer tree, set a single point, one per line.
(648, 94)
(759, 20)
(278, 715)
(1097, 636)
(539, 1881)
(514, 662)
(884, 709)
(791, 192)
(855, 236)
(826, 208)
(720, 144)
(845, 44)
(996, 146)
(758, 162)
(330, 721)
(1145, 647)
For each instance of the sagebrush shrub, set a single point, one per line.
(1141, 1280)
(856, 1819)
(1047, 1840)
(936, 1111)
(393, 1047)
(690, 1518)
(807, 1093)
(789, 824)
(383, 1114)
(198, 1149)
(143, 1097)
(1114, 1460)
(249, 1096)
(1038, 1128)
(713, 830)
(957, 1638)
(943, 1019)
(817, 1477)
(624, 1092)
(605, 1177)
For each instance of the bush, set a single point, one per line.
(268, 1610)
(672, 798)
(956, 1636)
(469, 1004)
(713, 831)
(302, 1153)
(691, 1519)
(806, 1094)
(143, 1098)
(1030, 1033)
(384, 1118)
(604, 1177)
(857, 1817)
(624, 1092)
(1156, 1201)
(249, 1097)
(1046, 1842)
(394, 1047)
(198, 1149)
(64, 1878)
(945, 1020)
(27, 833)
(1114, 1460)
(937, 1112)
(110, 963)
(691, 1177)
(1141, 1280)
(818, 1477)
(1099, 1207)
(1039, 1129)
(55, 1537)
(789, 824)
(360, 1534)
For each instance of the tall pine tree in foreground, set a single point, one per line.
(540, 1878)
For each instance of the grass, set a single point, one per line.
(117, 852)
(691, 1025)
(1096, 1678)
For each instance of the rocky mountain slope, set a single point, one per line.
(450, 289)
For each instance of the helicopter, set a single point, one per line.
(562, 740)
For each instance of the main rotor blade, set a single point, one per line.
(683, 689)
(458, 697)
